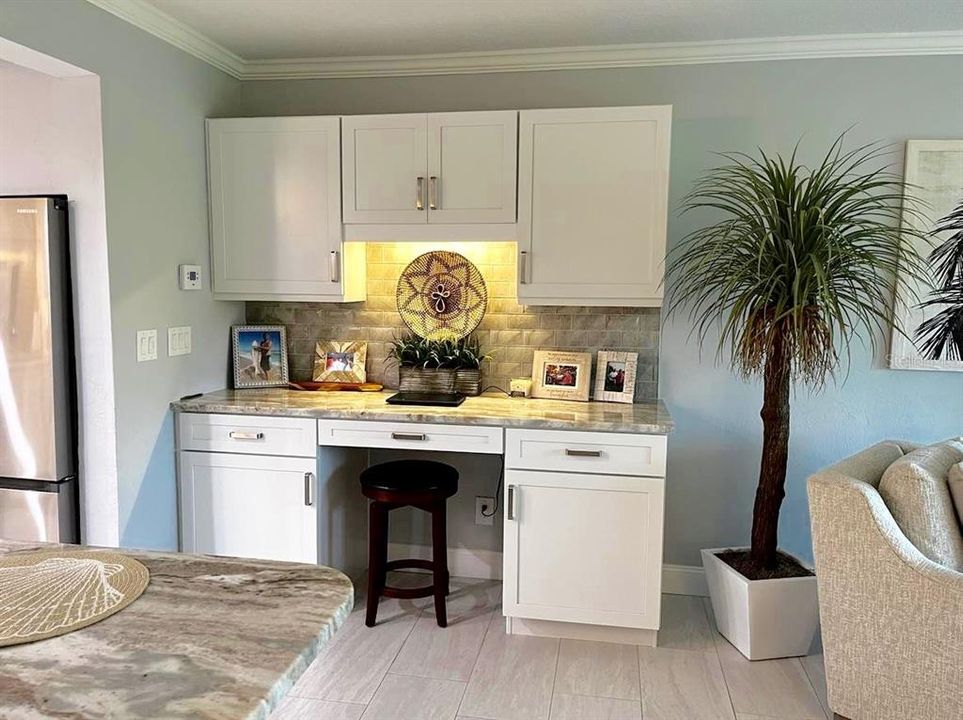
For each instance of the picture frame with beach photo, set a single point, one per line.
(260, 356)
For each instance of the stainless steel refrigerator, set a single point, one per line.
(38, 428)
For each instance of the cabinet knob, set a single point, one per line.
(523, 267)
(433, 193)
(333, 269)
(308, 489)
(511, 502)
(420, 197)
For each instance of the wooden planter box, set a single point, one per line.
(418, 379)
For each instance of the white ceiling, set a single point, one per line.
(287, 29)
(257, 39)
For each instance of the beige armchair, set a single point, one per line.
(892, 620)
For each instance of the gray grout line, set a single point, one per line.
(812, 685)
(551, 698)
(474, 665)
(715, 649)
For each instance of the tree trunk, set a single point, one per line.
(775, 454)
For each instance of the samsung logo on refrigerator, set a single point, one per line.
(27, 211)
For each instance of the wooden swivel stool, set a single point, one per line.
(426, 485)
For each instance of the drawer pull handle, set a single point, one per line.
(571, 452)
(308, 489)
(511, 502)
(408, 436)
(242, 435)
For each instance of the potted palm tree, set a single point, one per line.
(799, 262)
(941, 336)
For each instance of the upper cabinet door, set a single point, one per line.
(275, 203)
(472, 162)
(593, 198)
(385, 168)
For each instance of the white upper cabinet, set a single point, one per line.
(472, 159)
(440, 168)
(593, 199)
(385, 168)
(275, 204)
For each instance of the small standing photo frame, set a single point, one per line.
(260, 355)
(615, 376)
(341, 362)
(560, 375)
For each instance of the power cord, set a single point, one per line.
(498, 489)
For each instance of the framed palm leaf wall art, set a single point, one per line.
(932, 321)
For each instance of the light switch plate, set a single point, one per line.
(189, 277)
(179, 340)
(146, 345)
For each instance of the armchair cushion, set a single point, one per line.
(916, 493)
(955, 482)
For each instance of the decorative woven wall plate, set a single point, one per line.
(53, 592)
(442, 296)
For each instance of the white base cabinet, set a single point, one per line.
(583, 547)
(254, 506)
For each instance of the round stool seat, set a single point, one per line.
(410, 477)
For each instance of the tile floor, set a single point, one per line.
(407, 668)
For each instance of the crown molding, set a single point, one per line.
(149, 18)
(612, 56)
(158, 23)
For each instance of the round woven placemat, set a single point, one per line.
(441, 295)
(52, 592)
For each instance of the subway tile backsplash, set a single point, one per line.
(509, 332)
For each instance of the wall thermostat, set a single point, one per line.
(189, 277)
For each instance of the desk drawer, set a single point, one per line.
(247, 434)
(410, 436)
(586, 452)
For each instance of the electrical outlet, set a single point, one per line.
(484, 510)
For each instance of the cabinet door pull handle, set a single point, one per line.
(511, 502)
(333, 266)
(244, 435)
(408, 436)
(308, 489)
(433, 193)
(582, 453)
(523, 267)
(420, 198)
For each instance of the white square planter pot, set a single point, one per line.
(763, 618)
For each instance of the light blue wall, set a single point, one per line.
(155, 99)
(714, 454)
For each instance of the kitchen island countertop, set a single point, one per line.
(491, 409)
(211, 637)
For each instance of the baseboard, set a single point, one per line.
(462, 562)
(487, 564)
(684, 580)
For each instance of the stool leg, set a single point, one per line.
(377, 558)
(439, 559)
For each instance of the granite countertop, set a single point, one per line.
(492, 409)
(210, 638)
